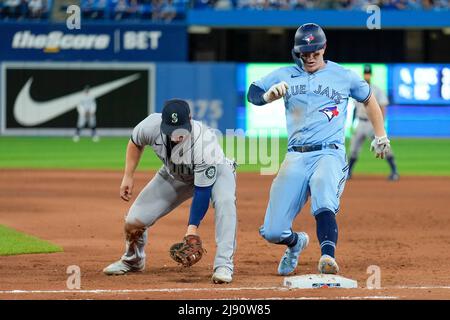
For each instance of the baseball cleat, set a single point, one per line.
(289, 260)
(222, 275)
(76, 138)
(120, 268)
(328, 265)
(394, 177)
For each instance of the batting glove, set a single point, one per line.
(381, 146)
(276, 92)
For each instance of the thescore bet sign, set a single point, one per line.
(92, 42)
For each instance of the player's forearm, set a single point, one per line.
(132, 158)
(383, 111)
(375, 116)
(200, 205)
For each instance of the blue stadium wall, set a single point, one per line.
(214, 89)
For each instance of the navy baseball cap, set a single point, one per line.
(367, 68)
(175, 115)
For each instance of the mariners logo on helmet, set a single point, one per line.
(330, 112)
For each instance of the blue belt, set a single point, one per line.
(312, 147)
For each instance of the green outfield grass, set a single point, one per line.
(13, 242)
(413, 156)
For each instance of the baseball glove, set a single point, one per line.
(188, 252)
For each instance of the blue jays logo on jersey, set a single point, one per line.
(330, 112)
(308, 38)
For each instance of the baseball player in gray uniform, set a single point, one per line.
(194, 166)
(364, 128)
(87, 109)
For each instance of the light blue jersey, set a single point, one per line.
(316, 104)
(316, 109)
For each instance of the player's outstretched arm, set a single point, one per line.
(255, 95)
(381, 144)
(190, 250)
(259, 97)
(133, 156)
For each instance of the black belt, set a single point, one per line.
(361, 119)
(314, 147)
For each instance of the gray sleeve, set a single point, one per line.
(205, 175)
(147, 130)
(207, 155)
(381, 97)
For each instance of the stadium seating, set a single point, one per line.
(156, 10)
(21, 10)
(168, 10)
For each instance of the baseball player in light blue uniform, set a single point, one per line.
(316, 94)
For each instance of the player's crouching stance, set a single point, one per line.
(194, 166)
(316, 94)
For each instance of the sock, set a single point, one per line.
(327, 232)
(351, 163)
(391, 161)
(77, 132)
(291, 240)
(94, 131)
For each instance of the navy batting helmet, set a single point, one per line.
(309, 38)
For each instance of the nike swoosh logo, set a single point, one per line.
(295, 76)
(31, 113)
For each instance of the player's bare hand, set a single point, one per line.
(126, 188)
(381, 146)
(276, 92)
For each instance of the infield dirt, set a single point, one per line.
(402, 227)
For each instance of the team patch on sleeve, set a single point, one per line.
(210, 172)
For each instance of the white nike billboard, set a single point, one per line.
(42, 98)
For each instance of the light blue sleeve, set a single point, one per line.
(269, 80)
(359, 88)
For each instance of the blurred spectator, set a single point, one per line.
(302, 4)
(15, 9)
(284, 5)
(100, 8)
(201, 4)
(156, 9)
(427, 4)
(35, 9)
(224, 4)
(415, 4)
(329, 4)
(441, 4)
(168, 11)
(87, 8)
(121, 10)
(133, 10)
(386, 5)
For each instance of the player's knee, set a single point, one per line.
(225, 202)
(320, 180)
(271, 234)
(134, 229)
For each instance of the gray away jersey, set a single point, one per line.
(381, 97)
(195, 159)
